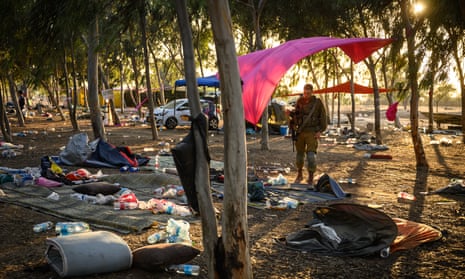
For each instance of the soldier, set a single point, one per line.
(310, 121)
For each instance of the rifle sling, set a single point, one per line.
(307, 118)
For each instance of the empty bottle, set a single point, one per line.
(67, 228)
(157, 237)
(186, 269)
(42, 227)
(157, 162)
(84, 197)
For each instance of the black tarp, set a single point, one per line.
(184, 156)
(345, 229)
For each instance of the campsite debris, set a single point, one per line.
(178, 231)
(23, 179)
(159, 191)
(348, 180)
(134, 169)
(283, 204)
(290, 202)
(117, 205)
(186, 269)
(124, 169)
(157, 162)
(67, 228)
(405, 197)
(5, 177)
(8, 153)
(168, 207)
(53, 196)
(42, 227)
(42, 181)
(279, 180)
(377, 156)
(157, 237)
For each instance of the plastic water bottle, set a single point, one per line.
(186, 269)
(157, 237)
(84, 197)
(157, 162)
(67, 228)
(42, 227)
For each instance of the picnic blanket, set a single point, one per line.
(98, 216)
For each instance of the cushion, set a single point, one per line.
(158, 256)
(94, 188)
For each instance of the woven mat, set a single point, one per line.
(99, 216)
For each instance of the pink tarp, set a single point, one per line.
(262, 70)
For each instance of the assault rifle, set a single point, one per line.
(292, 128)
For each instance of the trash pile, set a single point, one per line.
(87, 187)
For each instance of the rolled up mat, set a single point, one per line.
(381, 156)
(88, 253)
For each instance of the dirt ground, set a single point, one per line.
(377, 183)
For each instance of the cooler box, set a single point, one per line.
(284, 130)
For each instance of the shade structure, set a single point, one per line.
(345, 88)
(210, 81)
(262, 70)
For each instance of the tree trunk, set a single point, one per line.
(92, 76)
(69, 104)
(372, 68)
(413, 78)
(235, 237)
(12, 87)
(114, 115)
(73, 115)
(202, 168)
(161, 83)
(143, 24)
(458, 61)
(4, 122)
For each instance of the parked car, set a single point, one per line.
(177, 113)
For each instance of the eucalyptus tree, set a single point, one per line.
(14, 48)
(450, 15)
(411, 26)
(235, 240)
(437, 67)
(253, 18)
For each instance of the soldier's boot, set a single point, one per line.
(299, 176)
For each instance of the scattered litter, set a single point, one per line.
(405, 197)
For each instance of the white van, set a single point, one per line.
(177, 113)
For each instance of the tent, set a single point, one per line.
(210, 81)
(262, 70)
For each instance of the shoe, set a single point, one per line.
(310, 179)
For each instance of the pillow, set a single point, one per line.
(94, 188)
(158, 256)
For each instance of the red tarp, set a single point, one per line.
(262, 70)
(345, 87)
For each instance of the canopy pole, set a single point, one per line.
(352, 95)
